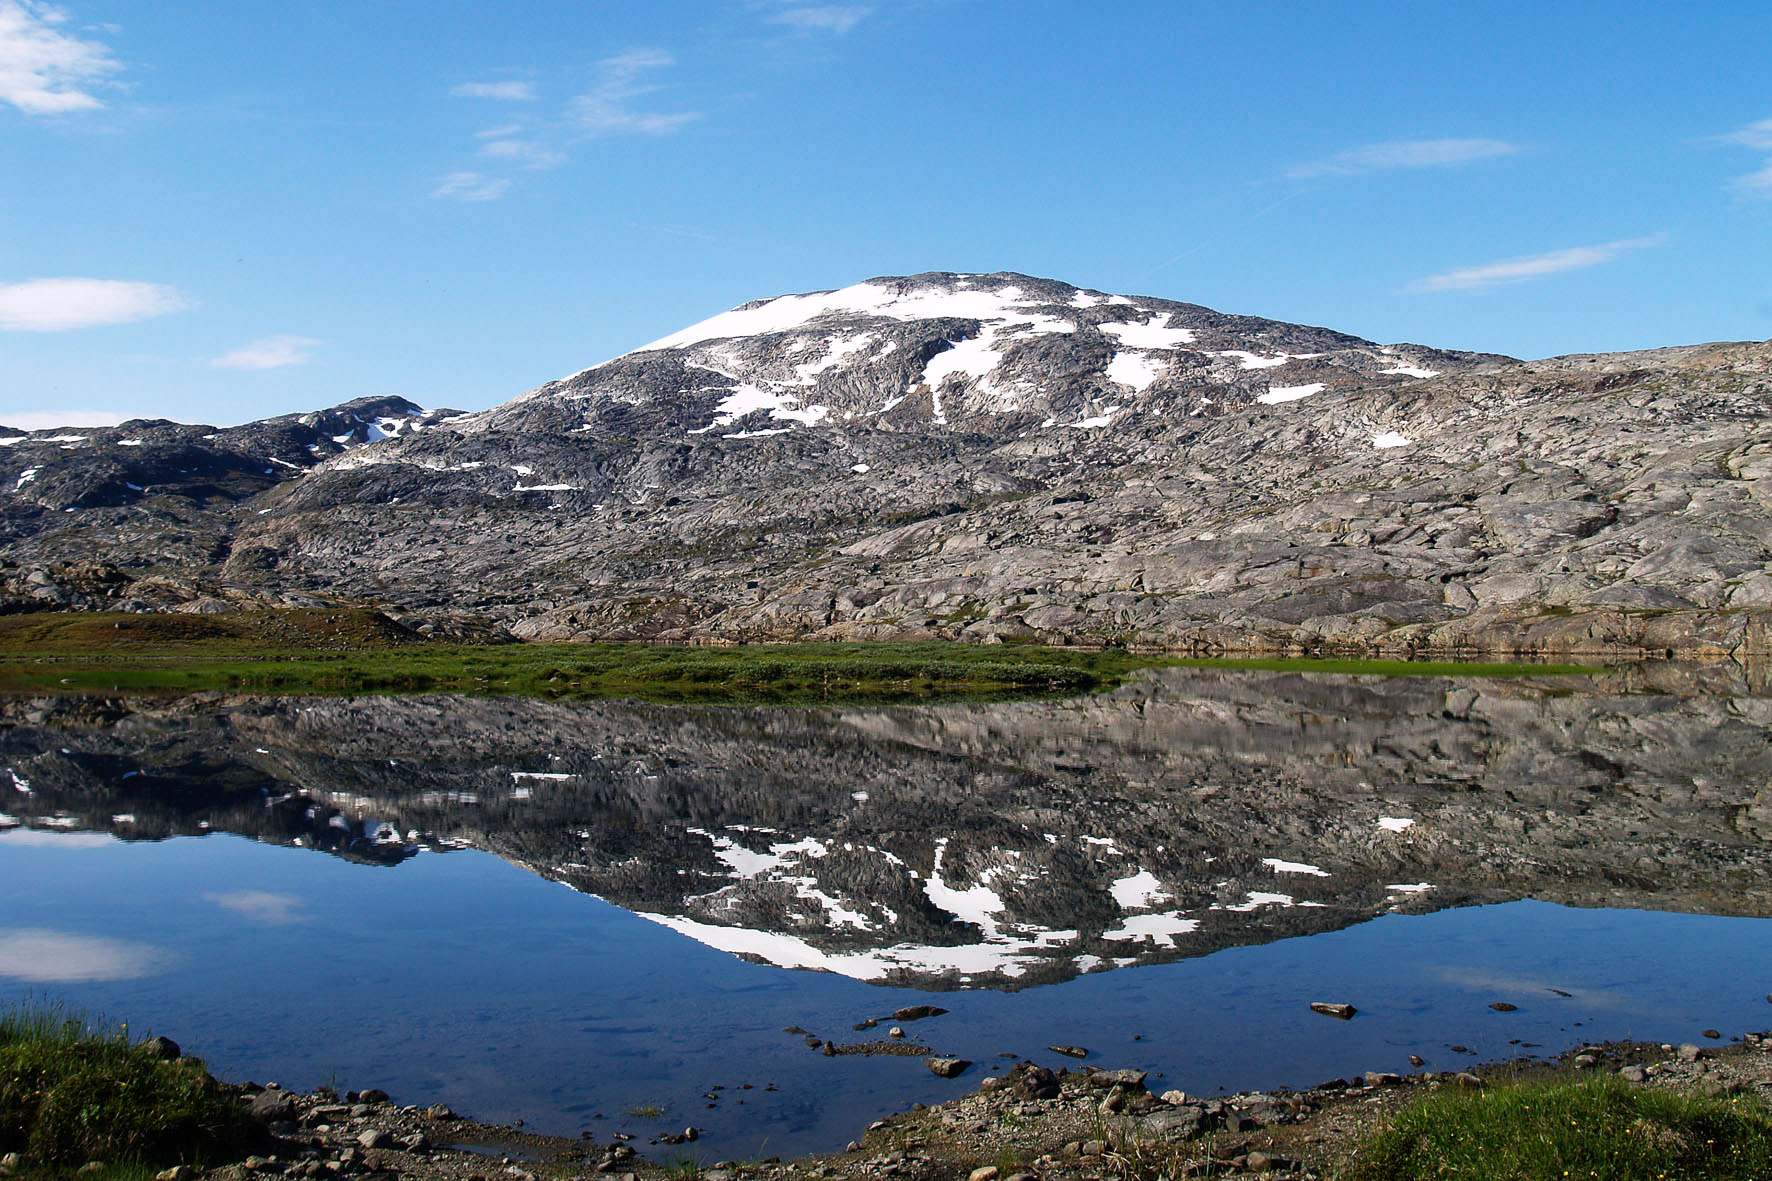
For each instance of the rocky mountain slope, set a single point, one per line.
(984, 846)
(989, 457)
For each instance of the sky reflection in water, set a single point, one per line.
(461, 978)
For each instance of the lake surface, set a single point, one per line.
(367, 891)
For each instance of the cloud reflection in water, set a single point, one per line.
(261, 906)
(42, 956)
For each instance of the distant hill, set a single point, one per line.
(986, 457)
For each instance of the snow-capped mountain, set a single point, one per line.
(987, 353)
(987, 457)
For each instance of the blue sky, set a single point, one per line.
(214, 211)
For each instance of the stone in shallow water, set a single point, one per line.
(1130, 1079)
(162, 1047)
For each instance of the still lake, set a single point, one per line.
(367, 890)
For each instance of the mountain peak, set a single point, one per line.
(997, 353)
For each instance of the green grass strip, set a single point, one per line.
(1590, 1129)
(357, 651)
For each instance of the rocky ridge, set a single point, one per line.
(990, 458)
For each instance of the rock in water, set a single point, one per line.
(1130, 1079)
(162, 1047)
(1333, 1009)
(947, 1067)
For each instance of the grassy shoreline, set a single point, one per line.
(354, 651)
(74, 1091)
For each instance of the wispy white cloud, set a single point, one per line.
(823, 18)
(270, 352)
(471, 186)
(1403, 153)
(1756, 137)
(1757, 184)
(508, 91)
(57, 305)
(613, 105)
(43, 70)
(1535, 266)
(526, 152)
(42, 420)
(610, 107)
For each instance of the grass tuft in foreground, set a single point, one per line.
(73, 1090)
(1595, 1128)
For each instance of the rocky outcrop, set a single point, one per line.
(990, 458)
(993, 845)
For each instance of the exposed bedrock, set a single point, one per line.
(985, 457)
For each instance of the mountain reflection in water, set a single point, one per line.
(987, 846)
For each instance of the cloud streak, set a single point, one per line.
(1534, 266)
(1755, 137)
(471, 187)
(44, 71)
(506, 91)
(525, 152)
(1403, 153)
(59, 305)
(823, 18)
(269, 352)
(614, 105)
(610, 106)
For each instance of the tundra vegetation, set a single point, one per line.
(356, 651)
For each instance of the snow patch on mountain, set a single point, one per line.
(837, 350)
(1149, 335)
(1289, 393)
(787, 312)
(1137, 370)
(1249, 360)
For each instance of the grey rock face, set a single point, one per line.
(991, 457)
(1013, 843)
